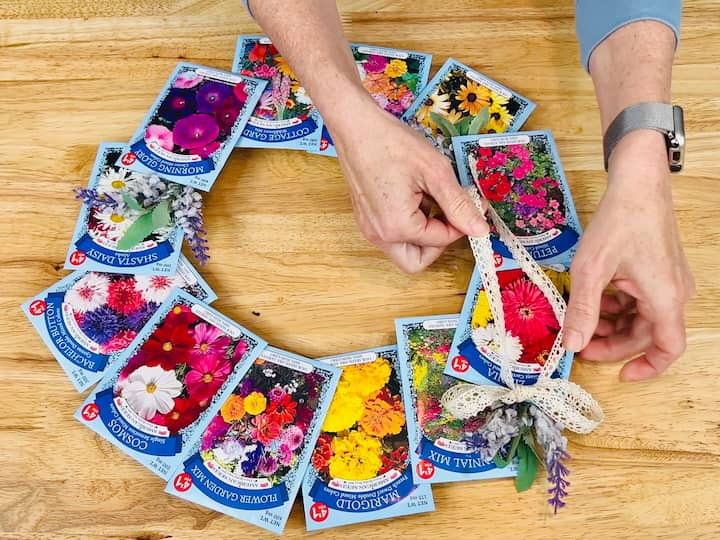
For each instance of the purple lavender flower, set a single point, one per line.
(557, 477)
(137, 319)
(267, 465)
(211, 95)
(475, 441)
(248, 466)
(93, 199)
(195, 131)
(178, 103)
(101, 324)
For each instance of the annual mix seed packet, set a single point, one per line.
(361, 468)
(461, 101)
(166, 386)
(98, 240)
(193, 125)
(251, 458)
(441, 445)
(88, 319)
(285, 117)
(393, 77)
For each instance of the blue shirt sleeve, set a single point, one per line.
(597, 19)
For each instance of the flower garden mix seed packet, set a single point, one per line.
(89, 318)
(361, 467)
(97, 242)
(285, 116)
(252, 457)
(441, 446)
(164, 388)
(194, 124)
(393, 77)
(461, 101)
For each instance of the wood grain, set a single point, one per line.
(73, 74)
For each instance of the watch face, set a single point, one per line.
(676, 141)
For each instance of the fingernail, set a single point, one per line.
(573, 340)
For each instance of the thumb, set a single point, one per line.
(456, 204)
(587, 282)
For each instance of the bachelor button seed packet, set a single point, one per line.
(251, 458)
(361, 467)
(393, 77)
(99, 239)
(193, 125)
(285, 116)
(88, 319)
(163, 390)
(439, 450)
(461, 101)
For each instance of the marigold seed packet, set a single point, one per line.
(251, 458)
(442, 448)
(361, 467)
(164, 388)
(461, 101)
(88, 319)
(193, 125)
(100, 239)
(285, 117)
(393, 77)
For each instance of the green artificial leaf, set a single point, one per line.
(527, 467)
(480, 121)
(464, 125)
(137, 232)
(161, 215)
(501, 462)
(447, 127)
(132, 203)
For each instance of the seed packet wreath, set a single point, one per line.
(193, 125)
(88, 319)
(461, 101)
(361, 465)
(162, 390)
(393, 77)
(285, 117)
(442, 445)
(251, 458)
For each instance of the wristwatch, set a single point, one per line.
(667, 119)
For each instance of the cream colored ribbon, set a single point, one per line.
(564, 401)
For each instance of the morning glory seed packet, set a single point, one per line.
(441, 446)
(393, 77)
(88, 319)
(193, 125)
(163, 390)
(361, 468)
(285, 117)
(251, 458)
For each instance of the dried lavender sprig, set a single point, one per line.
(93, 199)
(557, 477)
(502, 425)
(187, 211)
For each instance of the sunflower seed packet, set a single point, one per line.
(361, 467)
(193, 125)
(164, 388)
(441, 445)
(88, 319)
(461, 101)
(393, 77)
(251, 458)
(285, 117)
(99, 242)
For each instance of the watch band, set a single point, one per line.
(657, 116)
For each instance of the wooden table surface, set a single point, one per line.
(284, 244)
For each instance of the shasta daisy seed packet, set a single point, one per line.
(442, 448)
(285, 117)
(88, 319)
(393, 77)
(251, 458)
(361, 467)
(163, 389)
(193, 125)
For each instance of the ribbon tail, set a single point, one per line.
(568, 404)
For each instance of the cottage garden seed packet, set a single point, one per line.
(285, 117)
(88, 319)
(393, 77)
(192, 127)
(442, 448)
(252, 457)
(163, 390)
(361, 467)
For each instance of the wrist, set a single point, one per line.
(639, 158)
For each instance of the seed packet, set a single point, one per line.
(88, 319)
(285, 117)
(164, 388)
(251, 458)
(97, 242)
(192, 127)
(461, 101)
(393, 77)
(442, 449)
(361, 467)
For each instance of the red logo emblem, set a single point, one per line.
(182, 482)
(128, 159)
(497, 258)
(37, 307)
(460, 364)
(77, 258)
(324, 144)
(90, 412)
(319, 512)
(425, 469)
